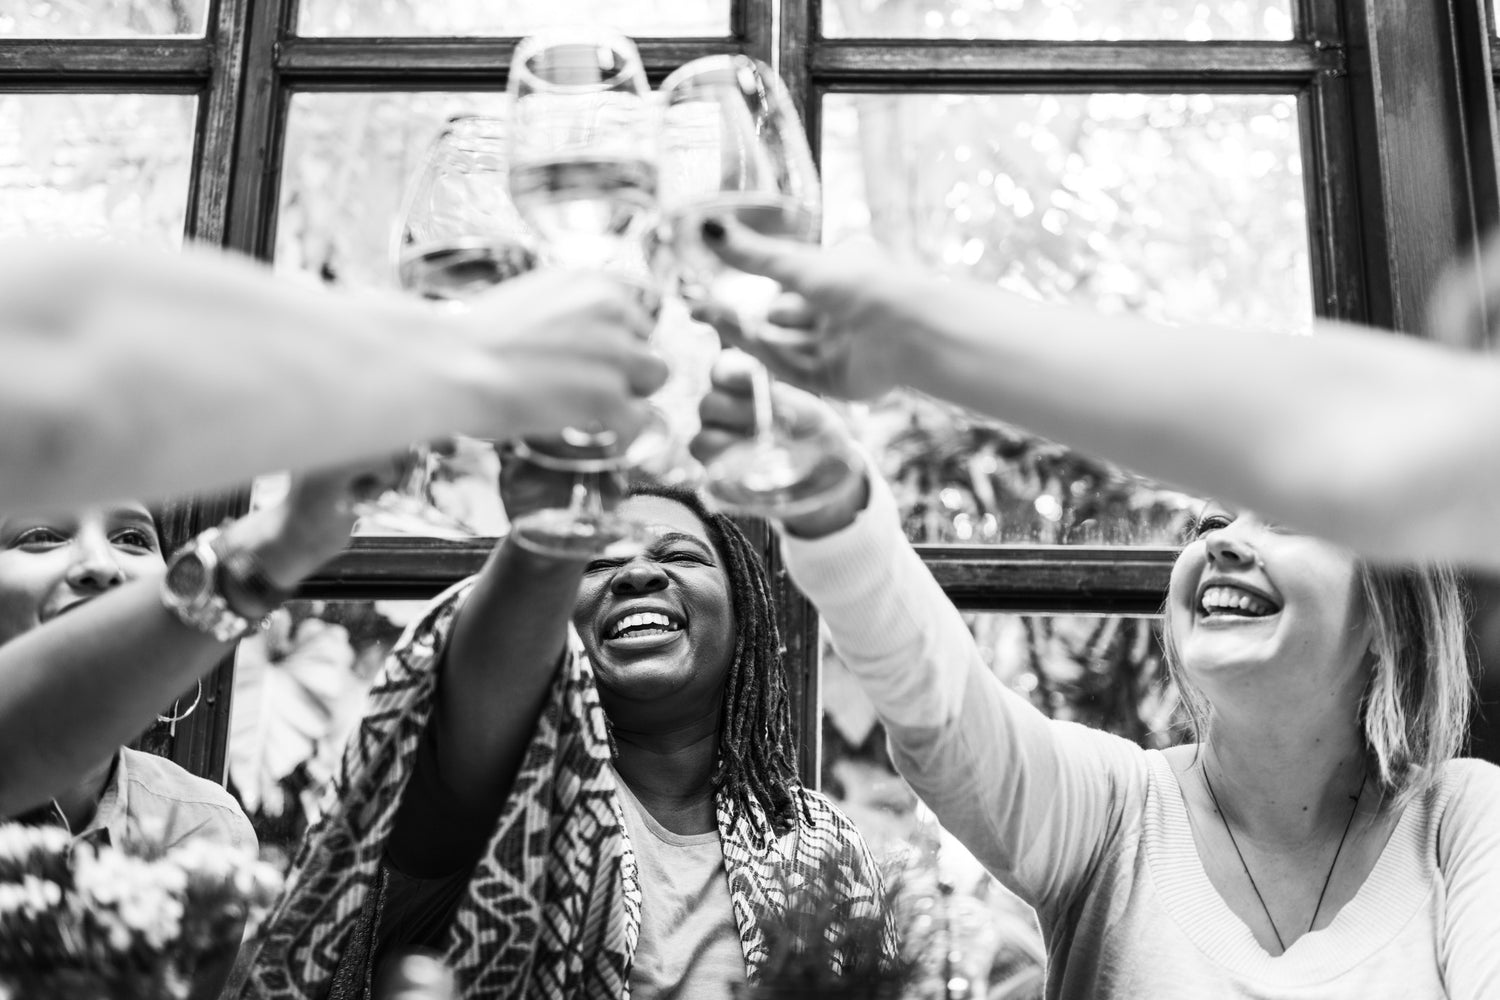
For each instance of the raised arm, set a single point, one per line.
(77, 687)
(139, 374)
(1382, 443)
(494, 672)
(1037, 801)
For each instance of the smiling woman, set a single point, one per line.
(519, 797)
(1319, 837)
(51, 568)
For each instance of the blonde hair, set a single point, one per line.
(1414, 713)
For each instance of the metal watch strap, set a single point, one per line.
(206, 611)
(244, 567)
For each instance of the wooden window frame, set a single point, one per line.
(1398, 135)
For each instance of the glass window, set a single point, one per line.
(1105, 672)
(1182, 207)
(96, 165)
(1060, 20)
(642, 18)
(102, 18)
(348, 158)
(299, 691)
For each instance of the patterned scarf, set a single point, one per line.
(552, 910)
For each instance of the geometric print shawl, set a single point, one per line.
(552, 910)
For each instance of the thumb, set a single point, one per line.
(785, 261)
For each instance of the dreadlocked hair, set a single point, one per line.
(756, 746)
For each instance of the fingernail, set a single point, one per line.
(713, 231)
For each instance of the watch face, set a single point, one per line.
(187, 576)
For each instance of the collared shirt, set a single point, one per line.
(150, 801)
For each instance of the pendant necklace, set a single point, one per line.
(1251, 878)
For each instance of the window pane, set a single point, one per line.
(1105, 672)
(299, 691)
(102, 18)
(1187, 208)
(1062, 20)
(96, 165)
(642, 18)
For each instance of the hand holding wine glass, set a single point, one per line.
(567, 343)
(733, 148)
(728, 419)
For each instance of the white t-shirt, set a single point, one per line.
(1093, 832)
(689, 946)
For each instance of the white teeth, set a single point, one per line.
(645, 620)
(1234, 599)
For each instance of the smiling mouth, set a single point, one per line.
(644, 624)
(1223, 601)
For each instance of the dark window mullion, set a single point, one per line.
(1059, 579)
(445, 63)
(1332, 181)
(105, 64)
(1420, 196)
(1093, 66)
(244, 117)
(261, 130)
(218, 116)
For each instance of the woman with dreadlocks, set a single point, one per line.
(608, 813)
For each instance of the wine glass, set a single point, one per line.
(732, 146)
(583, 175)
(458, 235)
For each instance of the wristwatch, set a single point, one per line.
(193, 589)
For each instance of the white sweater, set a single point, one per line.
(1093, 832)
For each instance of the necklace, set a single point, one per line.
(1251, 878)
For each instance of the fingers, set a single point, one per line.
(787, 351)
(786, 261)
(645, 372)
(1464, 308)
(729, 407)
(791, 311)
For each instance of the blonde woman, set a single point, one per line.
(1318, 838)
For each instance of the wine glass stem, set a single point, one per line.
(760, 389)
(585, 504)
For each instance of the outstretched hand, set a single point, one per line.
(727, 417)
(846, 324)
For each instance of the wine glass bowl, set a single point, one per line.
(457, 236)
(583, 159)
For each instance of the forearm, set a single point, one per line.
(1032, 799)
(1348, 434)
(496, 670)
(76, 688)
(226, 370)
(890, 620)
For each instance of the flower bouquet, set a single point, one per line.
(79, 922)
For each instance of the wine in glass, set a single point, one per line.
(458, 235)
(583, 175)
(732, 147)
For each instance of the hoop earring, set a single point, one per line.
(177, 714)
